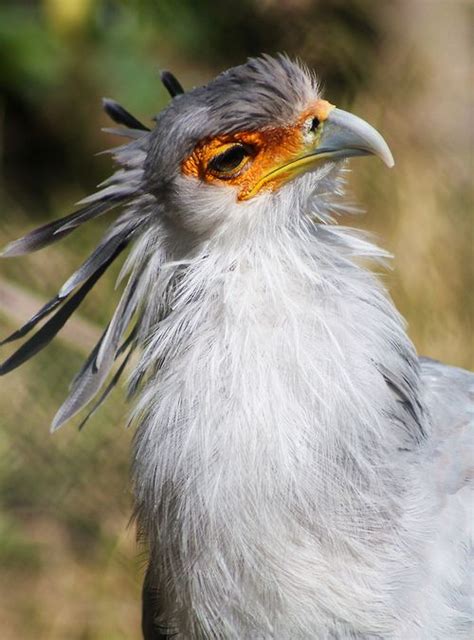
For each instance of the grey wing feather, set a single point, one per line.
(449, 397)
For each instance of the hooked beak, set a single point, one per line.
(339, 135)
(344, 135)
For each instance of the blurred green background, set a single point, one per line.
(69, 566)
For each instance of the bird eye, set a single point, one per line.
(311, 125)
(229, 160)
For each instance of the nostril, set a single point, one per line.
(314, 125)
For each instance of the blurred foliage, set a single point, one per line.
(68, 562)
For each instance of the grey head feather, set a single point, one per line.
(262, 93)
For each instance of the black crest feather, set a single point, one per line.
(123, 189)
(49, 330)
(121, 116)
(172, 85)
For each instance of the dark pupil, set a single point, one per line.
(314, 124)
(228, 160)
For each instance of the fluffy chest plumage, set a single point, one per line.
(263, 354)
(264, 462)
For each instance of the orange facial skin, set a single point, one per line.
(268, 149)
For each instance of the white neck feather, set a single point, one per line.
(267, 407)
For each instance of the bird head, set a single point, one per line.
(256, 134)
(256, 142)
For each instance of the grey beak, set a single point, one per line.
(345, 135)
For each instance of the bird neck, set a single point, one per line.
(281, 376)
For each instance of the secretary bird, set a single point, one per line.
(299, 472)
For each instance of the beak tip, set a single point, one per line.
(384, 153)
(357, 137)
(389, 161)
(382, 150)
